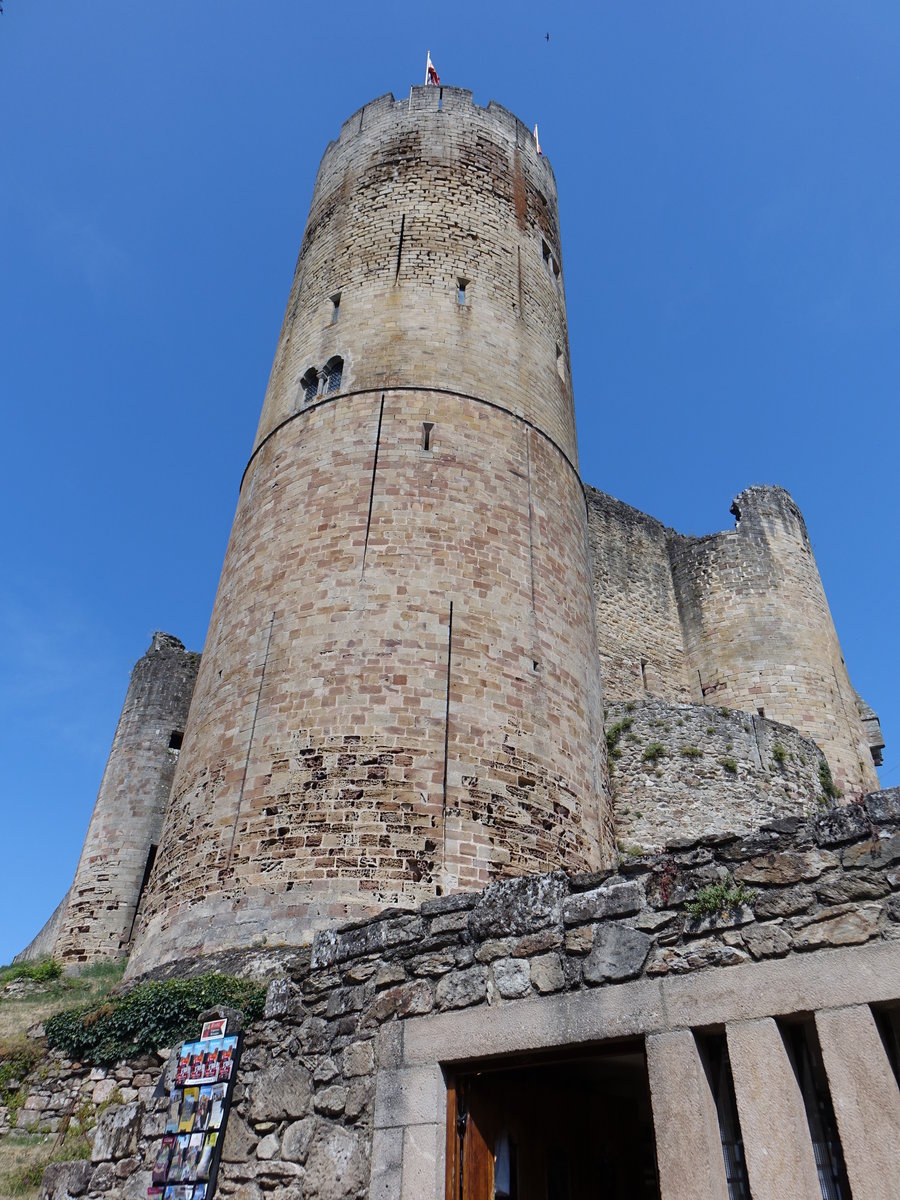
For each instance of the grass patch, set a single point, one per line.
(829, 787)
(779, 753)
(653, 751)
(614, 734)
(717, 899)
(41, 971)
(19, 1013)
(23, 1157)
(729, 764)
(691, 752)
(153, 1014)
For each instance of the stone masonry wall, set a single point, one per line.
(400, 693)
(128, 814)
(690, 770)
(639, 634)
(738, 619)
(758, 630)
(465, 191)
(303, 1121)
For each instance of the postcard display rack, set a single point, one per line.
(188, 1159)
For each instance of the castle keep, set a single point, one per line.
(509, 729)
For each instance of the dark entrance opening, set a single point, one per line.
(573, 1129)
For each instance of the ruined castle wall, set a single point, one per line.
(128, 813)
(400, 691)
(691, 770)
(639, 634)
(758, 629)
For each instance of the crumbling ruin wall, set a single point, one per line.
(758, 629)
(690, 770)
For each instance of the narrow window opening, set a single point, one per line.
(427, 427)
(560, 365)
(400, 247)
(310, 385)
(176, 737)
(440, 99)
(335, 307)
(461, 285)
(545, 253)
(644, 673)
(761, 711)
(806, 1059)
(714, 1056)
(555, 266)
(332, 373)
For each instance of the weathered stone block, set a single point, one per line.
(519, 906)
(619, 952)
(462, 988)
(297, 1138)
(117, 1133)
(281, 1089)
(616, 899)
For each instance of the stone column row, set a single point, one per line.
(774, 1127)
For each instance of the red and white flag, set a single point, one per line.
(537, 141)
(431, 75)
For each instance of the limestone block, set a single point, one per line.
(62, 1180)
(865, 1097)
(777, 1143)
(512, 977)
(688, 1145)
(462, 988)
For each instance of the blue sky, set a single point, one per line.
(729, 186)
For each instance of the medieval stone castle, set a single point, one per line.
(440, 663)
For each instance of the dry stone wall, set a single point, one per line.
(303, 1121)
(690, 770)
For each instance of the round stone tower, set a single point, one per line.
(98, 915)
(399, 695)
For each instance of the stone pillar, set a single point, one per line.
(774, 1127)
(688, 1145)
(865, 1097)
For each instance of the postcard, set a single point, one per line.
(188, 1109)
(160, 1171)
(213, 1029)
(172, 1117)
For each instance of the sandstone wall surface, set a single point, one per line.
(639, 635)
(758, 630)
(128, 813)
(327, 769)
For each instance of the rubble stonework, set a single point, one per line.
(686, 770)
(305, 1110)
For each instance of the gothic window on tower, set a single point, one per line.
(309, 385)
(331, 374)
